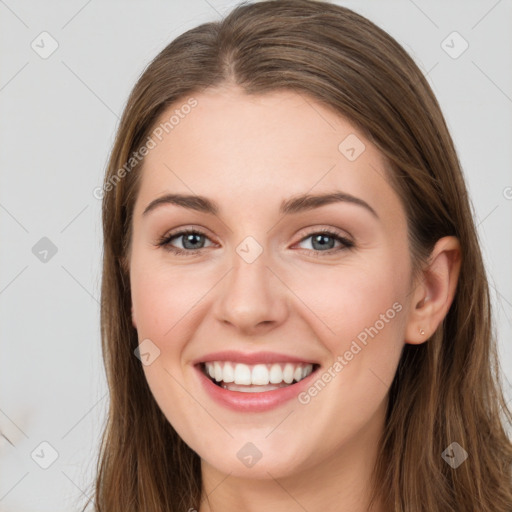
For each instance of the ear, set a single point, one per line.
(434, 291)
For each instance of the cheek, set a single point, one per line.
(348, 299)
(365, 315)
(360, 318)
(163, 297)
(164, 301)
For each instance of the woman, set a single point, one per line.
(295, 312)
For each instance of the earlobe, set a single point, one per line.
(434, 293)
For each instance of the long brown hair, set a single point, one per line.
(447, 389)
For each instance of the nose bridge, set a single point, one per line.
(251, 295)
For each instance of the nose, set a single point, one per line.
(252, 299)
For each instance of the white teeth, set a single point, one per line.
(228, 373)
(263, 375)
(260, 375)
(217, 371)
(242, 374)
(288, 373)
(276, 374)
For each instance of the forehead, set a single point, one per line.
(244, 149)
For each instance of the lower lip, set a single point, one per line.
(252, 402)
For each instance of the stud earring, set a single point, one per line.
(422, 332)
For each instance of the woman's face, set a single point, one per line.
(259, 296)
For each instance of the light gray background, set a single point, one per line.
(58, 119)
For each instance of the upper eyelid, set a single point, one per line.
(184, 231)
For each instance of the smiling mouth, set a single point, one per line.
(256, 378)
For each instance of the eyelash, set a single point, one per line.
(165, 242)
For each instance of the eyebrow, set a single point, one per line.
(296, 204)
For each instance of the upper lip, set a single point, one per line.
(252, 358)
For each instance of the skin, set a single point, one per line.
(248, 153)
